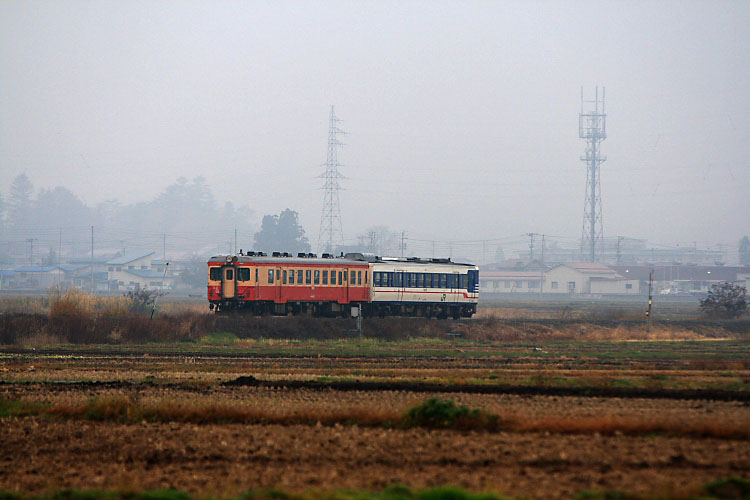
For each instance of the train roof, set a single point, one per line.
(347, 259)
(338, 261)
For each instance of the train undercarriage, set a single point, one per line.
(334, 310)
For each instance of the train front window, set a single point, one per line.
(243, 274)
(229, 275)
(214, 274)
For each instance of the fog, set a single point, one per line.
(461, 117)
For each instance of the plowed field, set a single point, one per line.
(40, 454)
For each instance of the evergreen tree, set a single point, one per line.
(282, 233)
(19, 204)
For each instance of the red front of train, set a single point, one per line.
(285, 284)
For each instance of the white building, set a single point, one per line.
(587, 278)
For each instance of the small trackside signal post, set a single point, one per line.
(650, 299)
(357, 313)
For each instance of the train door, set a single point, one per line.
(400, 284)
(228, 282)
(455, 293)
(278, 281)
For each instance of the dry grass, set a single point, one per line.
(125, 409)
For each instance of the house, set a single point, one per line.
(587, 278)
(510, 281)
(685, 278)
(133, 271)
(36, 277)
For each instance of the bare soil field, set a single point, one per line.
(295, 445)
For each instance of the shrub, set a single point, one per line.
(731, 488)
(436, 413)
(725, 300)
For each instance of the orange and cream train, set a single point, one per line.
(328, 286)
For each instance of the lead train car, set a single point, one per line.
(332, 286)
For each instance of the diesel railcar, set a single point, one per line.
(328, 286)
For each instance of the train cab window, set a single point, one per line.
(317, 278)
(359, 277)
(229, 275)
(300, 275)
(308, 276)
(243, 274)
(270, 276)
(291, 277)
(325, 277)
(283, 277)
(463, 282)
(420, 280)
(214, 274)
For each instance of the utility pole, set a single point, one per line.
(331, 232)
(531, 245)
(592, 127)
(92, 259)
(650, 299)
(541, 270)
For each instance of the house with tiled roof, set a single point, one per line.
(588, 278)
(134, 271)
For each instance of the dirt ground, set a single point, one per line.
(39, 456)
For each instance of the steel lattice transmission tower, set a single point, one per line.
(592, 127)
(331, 233)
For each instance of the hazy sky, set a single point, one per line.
(462, 116)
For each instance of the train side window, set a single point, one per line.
(230, 274)
(359, 277)
(256, 275)
(308, 276)
(345, 277)
(300, 275)
(283, 277)
(317, 277)
(278, 274)
(399, 279)
(325, 277)
(366, 273)
(270, 276)
(376, 279)
(333, 277)
(420, 280)
(243, 274)
(291, 276)
(341, 279)
(454, 280)
(463, 282)
(214, 274)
